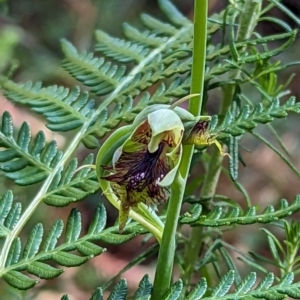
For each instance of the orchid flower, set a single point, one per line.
(143, 164)
(199, 134)
(138, 163)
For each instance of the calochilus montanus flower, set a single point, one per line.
(144, 162)
(137, 164)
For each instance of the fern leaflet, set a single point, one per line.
(38, 249)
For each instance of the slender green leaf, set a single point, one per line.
(43, 270)
(144, 290)
(119, 292)
(73, 227)
(34, 241)
(19, 280)
(68, 259)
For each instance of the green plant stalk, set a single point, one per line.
(165, 262)
(193, 246)
(246, 26)
(168, 245)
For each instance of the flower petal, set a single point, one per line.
(142, 214)
(170, 176)
(183, 114)
(164, 122)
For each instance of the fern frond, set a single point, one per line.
(64, 109)
(280, 251)
(118, 49)
(158, 26)
(158, 47)
(101, 76)
(68, 186)
(104, 78)
(97, 295)
(174, 291)
(144, 290)
(173, 14)
(168, 54)
(120, 291)
(158, 32)
(249, 118)
(70, 110)
(245, 290)
(163, 50)
(26, 160)
(221, 217)
(217, 51)
(260, 64)
(263, 290)
(127, 112)
(9, 214)
(147, 37)
(39, 250)
(140, 43)
(155, 72)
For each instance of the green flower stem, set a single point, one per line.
(199, 57)
(247, 23)
(164, 268)
(166, 254)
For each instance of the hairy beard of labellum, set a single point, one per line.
(141, 172)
